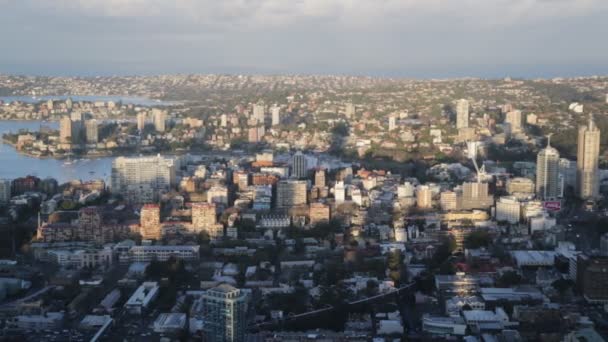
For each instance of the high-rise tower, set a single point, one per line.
(225, 309)
(299, 165)
(462, 113)
(587, 160)
(547, 172)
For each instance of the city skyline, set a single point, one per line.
(308, 170)
(418, 39)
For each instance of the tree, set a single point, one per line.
(174, 269)
(601, 226)
(394, 262)
(446, 268)
(203, 238)
(295, 302)
(477, 239)
(425, 282)
(335, 295)
(340, 129)
(371, 288)
(332, 273)
(443, 251)
(245, 225)
(562, 285)
(509, 279)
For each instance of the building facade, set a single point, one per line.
(91, 131)
(319, 212)
(291, 193)
(160, 118)
(142, 179)
(5, 191)
(513, 118)
(588, 151)
(225, 309)
(150, 221)
(299, 166)
(547, 173)
(462, 113)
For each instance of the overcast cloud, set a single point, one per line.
(412, 38)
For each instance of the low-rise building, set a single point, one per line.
(443, 326)
(142, 297)
(454, 305)
(170, 322)
(47, 321)
(526, 258)
(163, 253)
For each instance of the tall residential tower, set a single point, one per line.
(462, 113)
(225, 314)
(547, 172)
(587, 160)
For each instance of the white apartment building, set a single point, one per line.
(508, 209)
(142, 179)
(163, 253)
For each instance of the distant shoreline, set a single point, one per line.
(96, 155)
(143, 101)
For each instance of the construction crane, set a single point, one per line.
(472, 154)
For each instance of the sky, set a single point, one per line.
(394, 38)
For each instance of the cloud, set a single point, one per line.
(303, 35)
(350, 13)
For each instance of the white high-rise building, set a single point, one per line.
(462, 113)
(405, 190)
(91, 131)
(424, 197)
(5, 191)
(142, 179)
(340, 192)
(160, 116)
(508, 209)
(141, 121)
(65, 130)
(513, 118)
(276, 115)
(448, 200)
(299, 165)
(258, 112)
(547, 173)
(223, 120)
(587, 160)
(392, 122)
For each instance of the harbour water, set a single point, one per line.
(14, 164)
